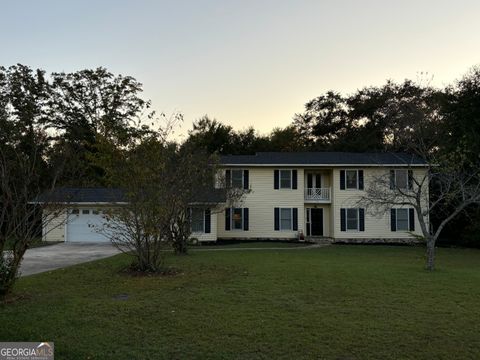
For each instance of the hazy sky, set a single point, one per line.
(245, 62)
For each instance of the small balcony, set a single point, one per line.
(317, 195)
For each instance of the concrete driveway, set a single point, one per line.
(58, 256)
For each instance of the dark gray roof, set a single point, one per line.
(323, 158)
(213, 196)
(82, 195)
(108, 195)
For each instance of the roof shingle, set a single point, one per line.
(323, 158)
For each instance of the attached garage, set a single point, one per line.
(85, 225)
(83, 216)
(82, 213)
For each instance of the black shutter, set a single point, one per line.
(361, 219)
(295, 219)
(228, 178)
(227, 218)
(410, 179)
(392, 179)
(342, 179)
(360, 179)
(294, 179)
(393, 219)
(343, 220)
(411, 219)
(276, 219)
(245, 219)
(208, 219)
(309, 181)
(276, 175)
(246, 184)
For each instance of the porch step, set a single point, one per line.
(319, 239)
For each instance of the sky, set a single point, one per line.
(245, 63)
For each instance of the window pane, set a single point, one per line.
(351, 179)
(237, 178)
(401, 178)
(352, 219)
(237, 219)
(74, 212)
(197, 220)
(85, 211)
(402, 219)
(285, 219)
(285, 179)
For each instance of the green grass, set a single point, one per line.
(336, 302)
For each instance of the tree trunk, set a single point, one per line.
(430, 265)
(180, 246)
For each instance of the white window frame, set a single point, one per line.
(408, 219)
(242, 176)
(280, 219)
(280, 179)
(203, 220)
(232, 221)
(358, 219)
(406, 179)
(346, 182)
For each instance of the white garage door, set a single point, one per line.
(83, 225)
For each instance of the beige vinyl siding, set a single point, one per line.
(261, 202)
(375, 227)
(212, 236)
(54, 229)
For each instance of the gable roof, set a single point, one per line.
(82, 196)
(323, 159)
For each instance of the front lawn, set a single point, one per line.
(335, 302)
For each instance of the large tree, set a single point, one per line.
(91, 104)
(24, 168)
(371, 119)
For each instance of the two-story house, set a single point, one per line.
(290, 196)
(315, 194)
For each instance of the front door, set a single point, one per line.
(316, 222)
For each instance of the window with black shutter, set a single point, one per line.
(245, 219)
(276, 221)
(246, 180)
(208, 221)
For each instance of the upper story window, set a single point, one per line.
(237, 178)
(351, 179)
(401, 179)
(285, 179)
